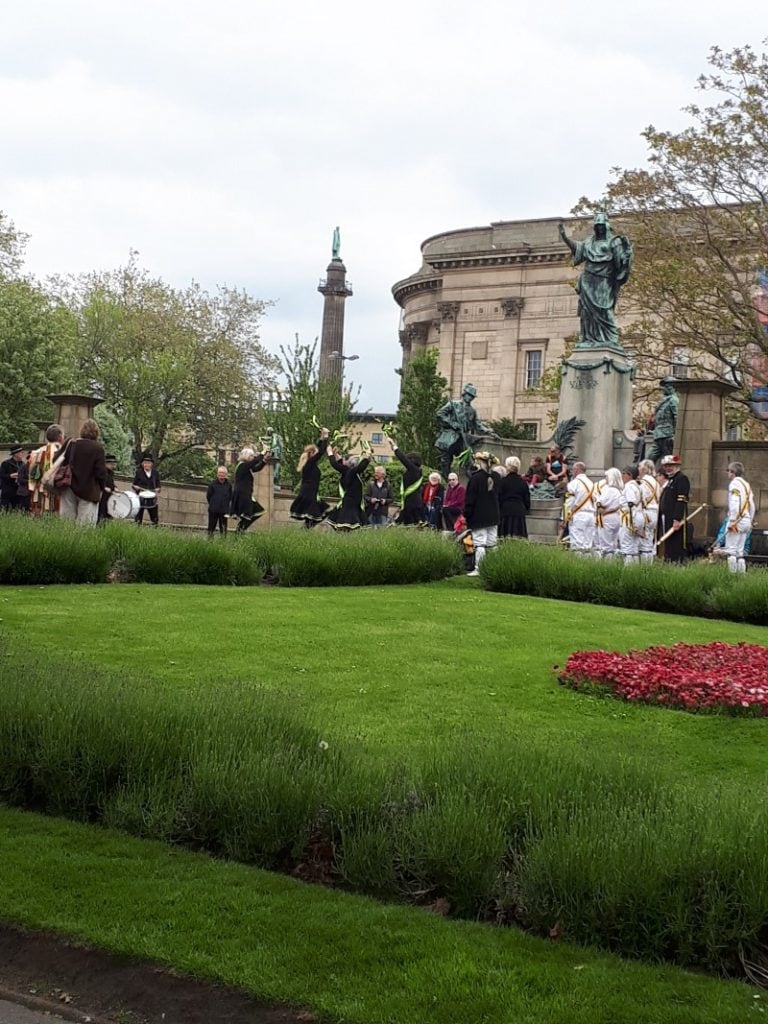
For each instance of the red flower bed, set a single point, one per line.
(693, 677)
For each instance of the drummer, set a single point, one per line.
(146, 483)
(109, 488)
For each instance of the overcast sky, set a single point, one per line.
(224, 141)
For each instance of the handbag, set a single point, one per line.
(59, 476)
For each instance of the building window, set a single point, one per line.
(384, 458)
(533, 366)
(680, 363)
(377, 438)
(530, 428)
(733, 433)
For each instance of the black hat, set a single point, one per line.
(147, 457)
(110, 458)
(16, 448)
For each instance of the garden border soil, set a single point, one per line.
(49, 973)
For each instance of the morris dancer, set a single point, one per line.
(42, 459)
(244, 505)
(649, 500)
(348, 515)
(411, 503)
(741, 513)
(481, 507)
(673, 510)
(580, 510)
(305, 506)
(632, 519)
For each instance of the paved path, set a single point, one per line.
(12, 1013)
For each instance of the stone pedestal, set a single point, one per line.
(72, 411)
(700, 423)
(264, 493)
(596, 386)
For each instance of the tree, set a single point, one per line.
(698, 215)
(115, 438)
(306, 400)
(422, 391)
(507, 428)
(178, 366)
(12, 245)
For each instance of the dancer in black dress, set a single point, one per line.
(244, 506)
(306, 506)
(349, 515)
(412, 511)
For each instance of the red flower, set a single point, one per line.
(704, 677)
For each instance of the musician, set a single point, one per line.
(109, 488)
(673, 510)
(147, 479)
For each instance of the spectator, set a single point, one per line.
(432, 496)
(22, 483)
(378, 495)
(556, 470)
(453, 502)
(9, 478)
(481, 507)
(109, 488)
(514, 501)
(42, 459)
(85, 458)
(537, 471)
(219, 495)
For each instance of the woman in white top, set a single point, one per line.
(607, 501)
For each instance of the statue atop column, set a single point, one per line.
(460, 426)
(665, 420)
(607, 260)
(336, 245)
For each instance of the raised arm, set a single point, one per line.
(568, 241)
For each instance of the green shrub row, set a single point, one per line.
(604, 853)
(34, 551)
(698, 588)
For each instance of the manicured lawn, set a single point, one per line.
(347, 958)
(401, 668)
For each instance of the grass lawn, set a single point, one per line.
(347, 958)
(402, 669)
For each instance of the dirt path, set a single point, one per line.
(46, 973)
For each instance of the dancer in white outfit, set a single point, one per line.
(607, 515)
(741, 513)
(632, 521)
(580, 510)
(649, 499)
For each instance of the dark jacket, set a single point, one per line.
(7, 485)
(219, 495)
(514, 495)
(89, 472)
(373, 492)
(481, 504)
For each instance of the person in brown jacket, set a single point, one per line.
(85, 457)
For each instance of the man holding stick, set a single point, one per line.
(673, 510)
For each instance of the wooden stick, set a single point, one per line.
(672, 530)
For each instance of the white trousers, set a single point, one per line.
(484, 538)
(581, 531)
(734, 545)
(84, 513)
(648, 538)
(606, 538)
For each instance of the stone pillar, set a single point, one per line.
(264, 493)
(596, 386)
(336, 290)
(700, 422)
(72, 411)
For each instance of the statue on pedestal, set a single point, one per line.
(607, 260)
(336, 244)
(460, 427)
(665, 421)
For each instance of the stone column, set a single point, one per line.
(700, 422)
(72, 411)
(264, 493)
(596, 386)
(336, 291)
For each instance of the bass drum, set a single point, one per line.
(123, 505)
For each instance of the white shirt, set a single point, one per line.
(741, 501)
(580, 495)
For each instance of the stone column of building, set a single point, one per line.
(700, 422)
(72, 411)
(335, 289)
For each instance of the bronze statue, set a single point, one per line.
(460, 427)
(607, 260)
(665, 421)
(336, 244)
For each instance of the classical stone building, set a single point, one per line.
(499, 303)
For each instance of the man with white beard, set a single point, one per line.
(741, 513)
(580, 510)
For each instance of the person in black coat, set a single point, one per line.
(306, 507)
(349, 514)
(147, 479)
(412, 512)
(109, 488)
(514, 501)
(481, 507)
(673, 510)
(219, 496)
(244, 506)
(9, 478)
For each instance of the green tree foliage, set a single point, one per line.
(191, 466)
(115, 438)
(422, 391)
(698, 215)
(507, 428)
(176, 365)
(36, 343)
(306, 398)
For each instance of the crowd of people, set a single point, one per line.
(628, 514)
